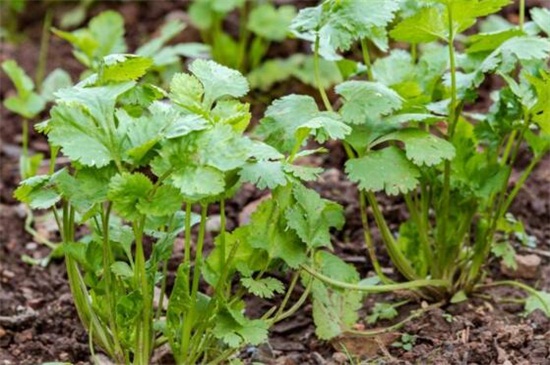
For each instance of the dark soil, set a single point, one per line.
(38, 322)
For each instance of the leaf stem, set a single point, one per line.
(521, 14)
(413, 284)
(44, 46)
(366, 58)
(317, 72)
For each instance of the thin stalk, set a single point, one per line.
(108, 275)
(366, 58)
(521, 14)
(44, 46)
(162, 290)
(187, 248)
(24, 166)
(190, 320)
(397, 257)
(508, 148)
(368, 239)
(415, 314)
(243, 37)
(410, 285)
(223, 244)
(283, 315)
(445, 199)
(521, 181)
(317, 73)
(520, 285)
(427, 250)
(289, 291)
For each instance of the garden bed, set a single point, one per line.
(38, 322)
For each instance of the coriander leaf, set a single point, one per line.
(381, 311)
(218, 80)
(74, 130)
(284, 117)
(541, 17)
(264, 287)
(393, 69)
(165, 201)
(187, 91)
(268, 231)
(387, 169)
(327, 126)
(123, 67)
(168, 31)
(484, 42)
(541, 109)
(505, 251)
(223, 148)
(425, 26)
(338, 24)
(234, 329)
(365, 100)
(56, 80)
(129, 191)
(37, 192)
(539, 301)
(198, 182)
(312, 217)
(269, 22)
(233, 113)
(305, 173)
(122, 270)
(23, 83)
(264, 174)
(422, 148)
(108, 29)
(334, 311)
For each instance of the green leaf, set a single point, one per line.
(128, 192)
(235, 330)
(312, 217)
(56, 80)
(393, 69)
(166, 201)
(381, 311)
(23, 83)
(37, 192)
(340, 23)
(541, 109)
(187, 91)
(387, 169)
(233, 113)
(122, 269)
(269, 22)
(334, 311)
(218, 81)
(422, 148)
(168, 31)
(505, 251)
(425, 26)
(264, 174)
(541, 17)
(264, 287)
(268, 231)
(540, 301)
(364, 100)
(286, 116)
(123, 67)
(108, 29)
(484, 42)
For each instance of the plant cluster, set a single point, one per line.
(147, 162)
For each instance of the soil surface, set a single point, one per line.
(38, 322)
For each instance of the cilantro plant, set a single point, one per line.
(412, 134)
(260, 24)
(104, 35)
(139, 170)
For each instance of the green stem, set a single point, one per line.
(243, 37)
(190, 321)
(44, 46)
(410, 285)
(366, 58)
(317, 72)
(295, 307)
(397, 257)
(368, 239)
(144, 338)
(520, 285)
(108, 275)
(394, 327)
(223, 245)
(521, 14)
